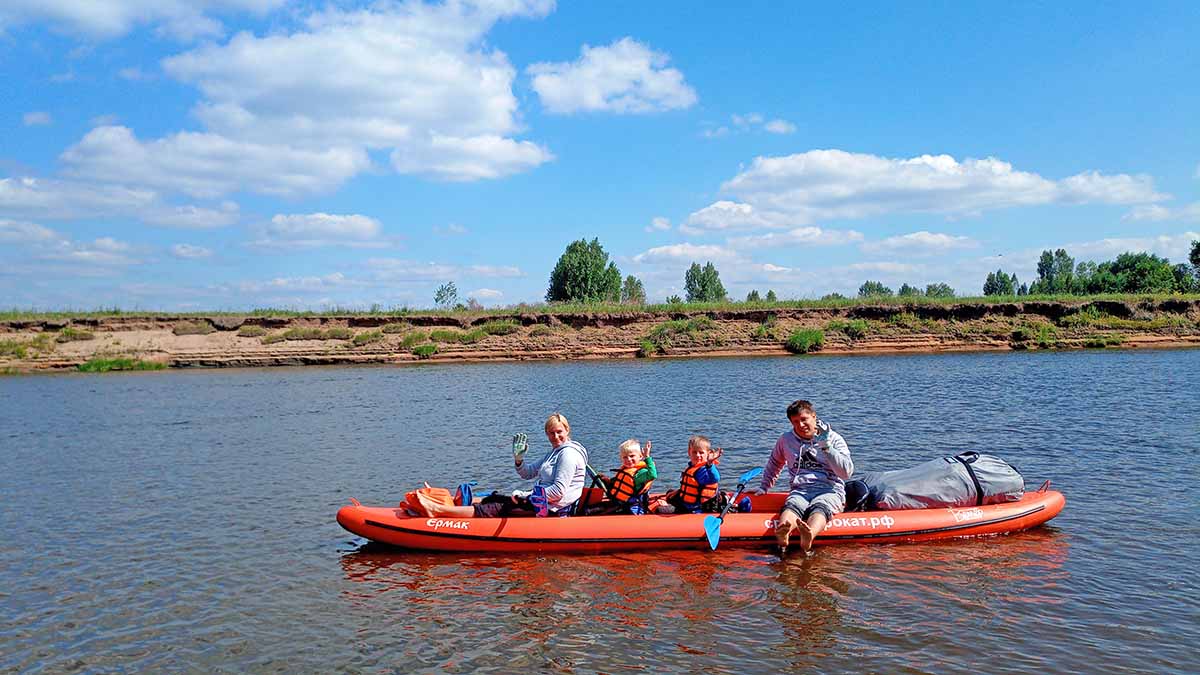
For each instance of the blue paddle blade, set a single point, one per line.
(712, 529)
(750, 475)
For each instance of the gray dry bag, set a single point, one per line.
(967, 479)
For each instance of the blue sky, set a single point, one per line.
(233, 154)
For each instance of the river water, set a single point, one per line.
(184, 521)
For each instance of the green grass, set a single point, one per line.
(395, 327)
(69, 334)
(666, 333)
(1092, 317)
(367, 338)
(193, 328)
(106, 365)
(413, 338)
(309, 333)
(852, 329)
(540, 330)
(805, 340)
(16, 349)
(500, 327)
(446, 335)
(251, 331)
(1102, 341)
(20, 349)
(425, 351)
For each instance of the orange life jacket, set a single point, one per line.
(690, 491)
(621, 485)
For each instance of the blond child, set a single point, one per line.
(697, 491)
(630, 484)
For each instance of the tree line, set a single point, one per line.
(584, 274)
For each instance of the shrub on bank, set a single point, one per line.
(251, 331)
(193, 328)
(69, 334)
(805, 340)
(425, 351)
(367, 338)
(852, 329)
(106, 365)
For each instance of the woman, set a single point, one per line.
(561, 473)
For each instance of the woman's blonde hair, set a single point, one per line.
(557, 418)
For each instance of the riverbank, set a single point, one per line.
(223, 340)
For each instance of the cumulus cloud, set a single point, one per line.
(190, 252)
(399, 270)
(57, 199)
(208, 165)
(192, 217)
(36, 118)
(623, 77)
(658, 224)
(413, 78)
(19, 232)
(750, 122)
(485, 294)
(725, 215)
(780, 127)
(316, 230)
(1174, 247)
(685, 251)
(920, 243)
(1156, 212)
(183, 19)
(307, 284)
(826, 184)
(800, 236)
(105, 252)
(453, 229)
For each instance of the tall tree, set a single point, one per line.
(1194, 256)
(871, 289)
(446, 295)
(772, 298)
(703, 284)
(753, 296)
(1055, 272)
(1000, 283)
(584, 274)
(939, 291)
(632, 291)
(907, 291)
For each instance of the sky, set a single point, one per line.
(191, 155)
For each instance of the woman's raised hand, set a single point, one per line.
(520, 445)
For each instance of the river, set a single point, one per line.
(184, 520)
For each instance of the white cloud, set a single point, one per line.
(103, 120)
(825, 184)
(309, 284)
(685, 251)
(1190, 212)
(192, 217)
(318, 230)
(800, 236)
(658, 224)
(184, 19)
(1173, 247)
(133, 74)
(18, 232)
(39, 198)
(725, 215)
(208, 165)
(36, 118)
(746, 121)
(103, 252)
(190, 252)
(413, 78)
(485, 294)
(920, 243)
(717, 132)
(780, 127)
(453, 229)
(400, 270)
(624, 77)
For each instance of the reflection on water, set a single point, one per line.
(184, 521)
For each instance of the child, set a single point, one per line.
(697, 491)
(630, 484)
(820, 463)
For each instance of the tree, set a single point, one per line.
(1055, 273)
(1143, 273)
(907, 291)
(939, 291)
(1000, 283)
(584, 274)
(1185, 281)
(1194, 256)
(753, 296)
(771, 294)
(632, 291)
(872, 289)
(703, 284)
(446, 295)
(834, 296)
(674, 300)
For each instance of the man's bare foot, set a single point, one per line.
(806, 536)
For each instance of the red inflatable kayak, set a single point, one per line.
(602, 534)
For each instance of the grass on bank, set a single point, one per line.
(107, 365)
(664, 335)
(17, 314)
(805, 340)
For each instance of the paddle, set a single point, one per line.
(712, 524)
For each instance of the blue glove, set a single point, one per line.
(520, 445)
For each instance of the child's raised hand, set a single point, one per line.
(648, 444)
(716, 454)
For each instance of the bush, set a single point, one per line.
(501, 327)
(766, 329)
(105, 365)
(413, 338)
(309, 333)
(338, 333)
(540, 330)
(13, 348)
(425, 351)
(367, 338)
(646, 348)
(584, 274)
(1102, 341)
(664, 334)
(193, 328)
(445, 335)
(251, 331)
(804, 341)
(391, 328)
(69, 334)
(853, 329)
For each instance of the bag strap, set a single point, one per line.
(967, 459)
